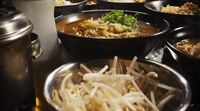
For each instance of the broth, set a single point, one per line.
(145, 28)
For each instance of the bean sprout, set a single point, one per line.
(108, 90)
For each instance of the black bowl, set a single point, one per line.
(175, 20)
(182, 33)
(75, 6)
(82, 47)
(105, 4)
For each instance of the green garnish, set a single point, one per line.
(118, 16)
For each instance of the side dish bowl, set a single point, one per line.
(72, 7)
(175, 20)
(183, 33)
(166, 75)
(123, 5)
(94, 47)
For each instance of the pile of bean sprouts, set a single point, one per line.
(111, 89)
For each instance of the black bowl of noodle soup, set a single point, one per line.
(178, 13)
(184, 46)
(86, 35)
(117, 84)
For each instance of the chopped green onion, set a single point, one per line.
(118, 16)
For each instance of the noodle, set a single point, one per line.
(114, 24)
(188, 8)
(99, 28)
(190, 47)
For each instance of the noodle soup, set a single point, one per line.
(83, 35)
(145, 29)
(115, 24)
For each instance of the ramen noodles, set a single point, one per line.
(190, 47)
(115, 24)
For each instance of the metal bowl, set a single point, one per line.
(175, 20)
(166, 75)
(74, 6)
(92, 48)
(182, 33)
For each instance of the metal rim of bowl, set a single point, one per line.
(184, 103)
(147, 7)
(49, 79)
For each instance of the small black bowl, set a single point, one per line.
(74, 6)
(182, 33)
(106, 4)
(175, 20)
(84, 47)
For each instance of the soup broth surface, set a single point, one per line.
(144, 29)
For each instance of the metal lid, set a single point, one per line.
(13, 25)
